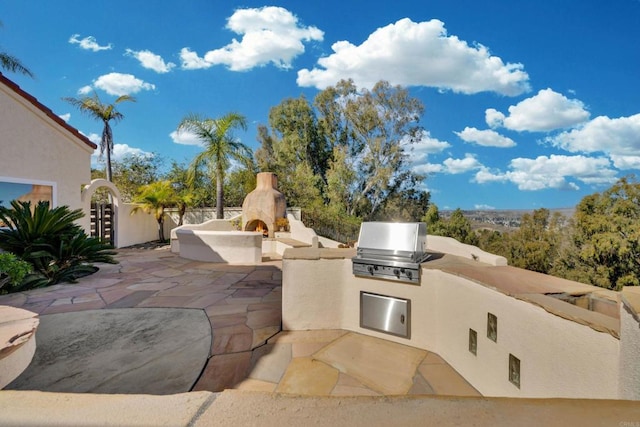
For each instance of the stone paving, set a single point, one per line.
(248, 351)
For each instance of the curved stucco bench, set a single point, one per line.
(17, 342)
(233, 247)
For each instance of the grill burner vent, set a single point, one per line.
(391, 251)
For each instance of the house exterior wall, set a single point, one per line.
(630, 344)
(558, 357)
(38, 149)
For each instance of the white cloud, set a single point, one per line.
(95, 138)
(485, 175)
(269, 35)
(191, 60)
(120, 151)
(88, 43)
(65, 116)
(552, 172)
(485, 138)
(151, 61)
(626, 162)
(427, 145)
(84, 90)
(185, 138)
(417, 54)
(546, 111)
(118, 84)
(484, 207)
(458, 166)
(449, 166)
(428, 168)
(617, 137)
(493, 117)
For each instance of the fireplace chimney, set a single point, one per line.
(263, 205)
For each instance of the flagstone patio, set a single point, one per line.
(248, 350)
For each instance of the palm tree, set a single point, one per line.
(93, 107)
(154, 198)
(219, 148)
(13, 64)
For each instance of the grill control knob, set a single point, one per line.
(396, 272)
(370, 269)
(409, 274)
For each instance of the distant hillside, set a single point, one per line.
(501, 219)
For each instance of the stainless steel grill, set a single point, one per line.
(391, 251)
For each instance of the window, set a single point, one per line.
(492, 327)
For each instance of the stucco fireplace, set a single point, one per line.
(264, 205)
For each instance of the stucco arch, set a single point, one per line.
(85, 198)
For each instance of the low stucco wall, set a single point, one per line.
(211, 225)
(233, 247)
(558, 357)
(448, 245)
(140, 227)
(302, 233)
(630, 343)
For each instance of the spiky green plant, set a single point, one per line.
(51, 241)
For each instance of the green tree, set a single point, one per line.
(605, 245)
(295, 151)
(219, 148)
(456, 226)
(134, 171)
(13, 64)
(154, 198)
(106, 113)
(198, 190)
(349, 150)
(241, 181)
(377, 128)
(492, 241)
(534, 246)
(407, 203)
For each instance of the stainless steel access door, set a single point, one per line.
(385, 314)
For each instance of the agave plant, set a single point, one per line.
(51, 241)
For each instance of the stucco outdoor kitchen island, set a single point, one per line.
(505, 330)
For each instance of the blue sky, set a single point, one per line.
(528, 104)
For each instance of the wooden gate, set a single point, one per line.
(102, 222)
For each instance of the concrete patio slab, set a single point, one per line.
(152, 351)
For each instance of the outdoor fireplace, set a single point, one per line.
(263, 205)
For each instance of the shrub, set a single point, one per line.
(48, 239)
(13, 270)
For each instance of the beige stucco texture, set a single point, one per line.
(457, 294)
(43, 149)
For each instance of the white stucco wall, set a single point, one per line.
(210, 225)
(36, 148)
(233, 247)
(629, 353)
(140, 227)
(558, 357)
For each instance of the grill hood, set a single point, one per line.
(391, 250)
